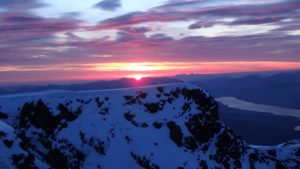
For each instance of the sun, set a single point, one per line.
(137, 77)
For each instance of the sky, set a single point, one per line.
(66, 40)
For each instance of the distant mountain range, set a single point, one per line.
(97, 85)
(267, 88)
(271, 88)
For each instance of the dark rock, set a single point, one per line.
(142, 95)
(57, 159)
(202, 128)
(279, 165)
(22, 161)
(144, 162)
(39, 116)
(175, 133)
(253, 157)
(157, 125)
(130, 100)
(46, 143)
(104, 111)
(297, 153)
(2, 134)
(26, 111)
(272, 153)
(144, 125)
(99, 103)
(152, 107)
(82, 137)
(190, 143)
(99, 147)
(206, 104)
(66, 114)
(130, 117)
(127, 98)
(65, 156)
(128, 139)
(203, 164)
(229, 147)
(160, 89)
(3, 115)
(186, 107)
(8, 143)
(25, 141)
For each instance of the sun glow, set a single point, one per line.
(136, 67)
(137, 77)
(137, 71)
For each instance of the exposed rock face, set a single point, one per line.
(3, 115)
(171, 126)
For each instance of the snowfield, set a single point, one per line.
(162, 126)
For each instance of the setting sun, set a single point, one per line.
(137, 77)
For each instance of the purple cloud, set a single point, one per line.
(257, 21)
(203, 24)
(139, 17)
(21, 4)
(268, 12)
(108, 5)
(136, 30)
(70, 15)
(24, 37)
(24, 23)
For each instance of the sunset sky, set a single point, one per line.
(61, 40)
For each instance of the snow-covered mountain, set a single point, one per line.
(167, 126)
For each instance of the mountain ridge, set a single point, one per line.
(160, 126)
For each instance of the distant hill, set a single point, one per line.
(97, 85)
(267, 88)
(271, 88)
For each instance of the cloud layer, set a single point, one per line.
(109, 5)
(173, 31)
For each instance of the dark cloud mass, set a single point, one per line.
(203, 24)
(70, 14)
(25, 36)
(257, 21)
(256, 14)
(136, 30)
(21, 4)
(24, 23)
(108, 5)
(140, 17)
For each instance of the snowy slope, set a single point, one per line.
(170, 126)
(11, 153)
